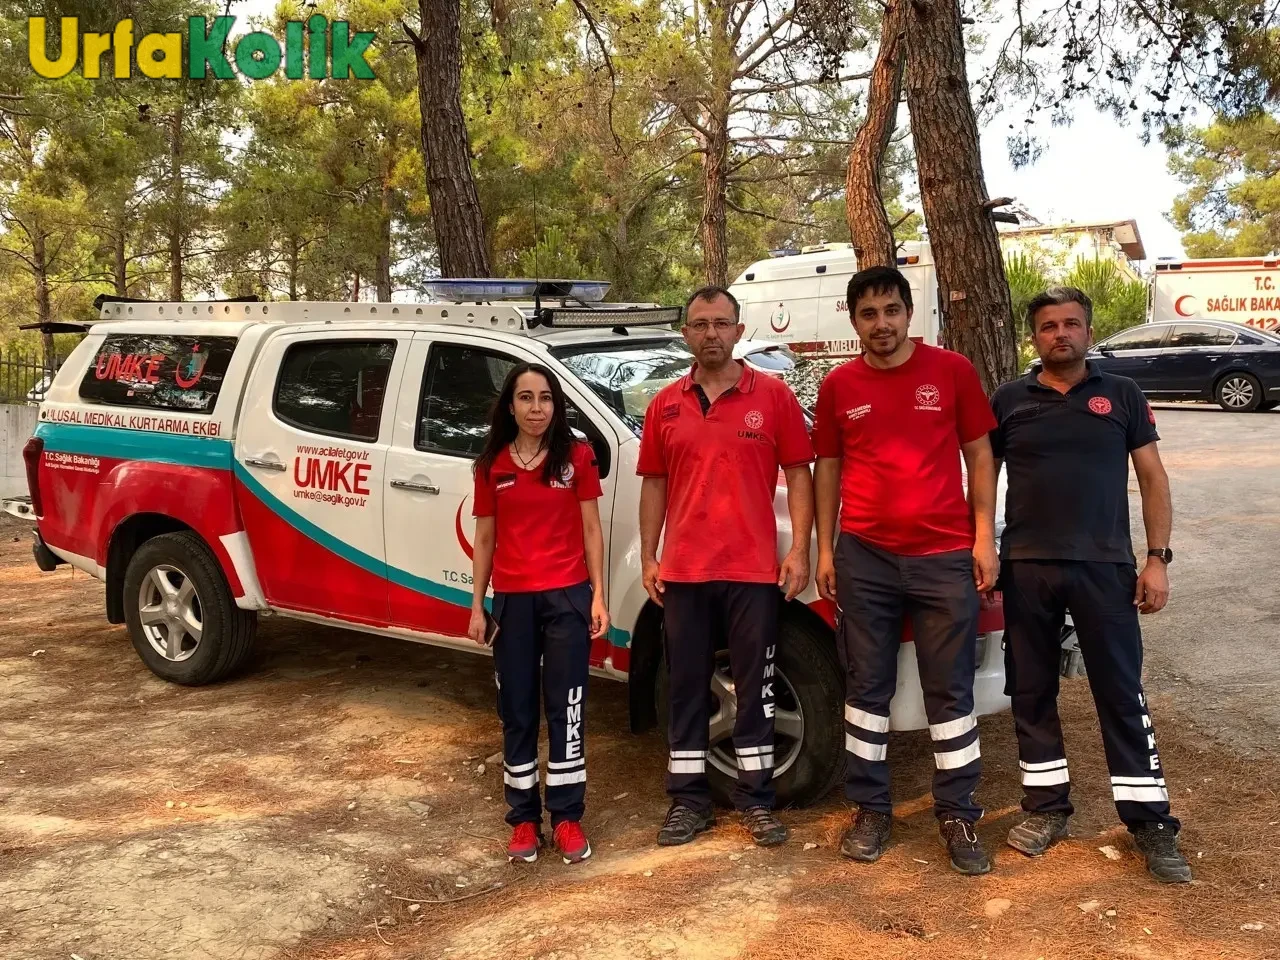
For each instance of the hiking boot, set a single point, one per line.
(961, 841)
(1040, 831)
(683, 824)
(766, 829)
(1165, 862)
(867, 836)
(526, 838)
(571, 841)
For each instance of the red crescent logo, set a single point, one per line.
(783, 315)
(1177, 306)
(462, 537)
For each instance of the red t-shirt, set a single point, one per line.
(899, 433)
(538, 526)
(722, 474)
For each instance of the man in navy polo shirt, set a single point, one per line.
(714, 442)
(1066, 431)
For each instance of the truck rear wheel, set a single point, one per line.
(808, 730)
(182, 619)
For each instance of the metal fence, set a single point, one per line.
(23, 376)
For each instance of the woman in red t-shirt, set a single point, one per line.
(538, 535)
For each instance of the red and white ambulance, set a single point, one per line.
(1244, 290)
(219, 463)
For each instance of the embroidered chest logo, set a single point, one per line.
(754, 420)
(504, 481)
(566, 478)
(928, 397)
(671, 412)
(857, 413)
(1100, 405)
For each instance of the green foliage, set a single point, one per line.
(1026, 278)
(1118, 302)
(1232, 171)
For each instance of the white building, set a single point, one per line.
(1059, 246)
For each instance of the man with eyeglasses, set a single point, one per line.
(713, 443)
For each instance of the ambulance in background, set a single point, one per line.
(799, 299)
(1244, 290)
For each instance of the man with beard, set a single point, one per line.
(892, 426)
(1067, 431)
(714, 442)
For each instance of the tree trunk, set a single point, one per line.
(976, 311)
(451, 186)
(383, 265)
(176, 188)
(293, 268)
(44, 306)
(120, 267)
(713, 225)
(715, 150)
(873, 242)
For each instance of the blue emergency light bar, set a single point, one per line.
(486, 289)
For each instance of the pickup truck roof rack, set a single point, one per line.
(504, 316)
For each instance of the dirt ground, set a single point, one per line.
(335, 803)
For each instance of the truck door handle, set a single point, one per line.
(431, 488)
(265, 464)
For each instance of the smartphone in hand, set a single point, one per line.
(491, 629)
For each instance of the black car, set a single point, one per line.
(1234, 366)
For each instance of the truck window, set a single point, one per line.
(458, 391)
(161, 372)
(334, 387)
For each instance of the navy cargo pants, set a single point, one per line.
(876, 590)
(1099, 596)
(542, 654)
(694, 616)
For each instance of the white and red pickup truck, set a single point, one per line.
(218, 463)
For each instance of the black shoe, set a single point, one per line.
(1040, 831)
(766, 829)
(866, 839)
(961, 841)
(1165, 862)
(683, 824)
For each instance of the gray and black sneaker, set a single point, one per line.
(961, 841)
(766, 829)
(1165, 862)
(866, 839)
(1040, 831)
(683, 824)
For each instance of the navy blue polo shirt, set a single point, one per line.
(1067, 457)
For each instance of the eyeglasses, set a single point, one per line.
(702, 326)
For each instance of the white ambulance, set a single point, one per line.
(1244, 290)
(799, 299)
(218, 464)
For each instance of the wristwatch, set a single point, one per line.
(1163, 553)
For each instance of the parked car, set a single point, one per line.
(1209, 360)
(767, 357)
(214, 461)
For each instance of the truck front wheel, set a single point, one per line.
(181, 616)
(808, 730)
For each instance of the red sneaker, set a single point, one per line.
(526, 838)
(572, 842)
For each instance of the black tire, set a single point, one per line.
(1232, 390)
(807, 662)
(226, 637)
(1268, 405)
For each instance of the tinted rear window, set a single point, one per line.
(161, 372)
